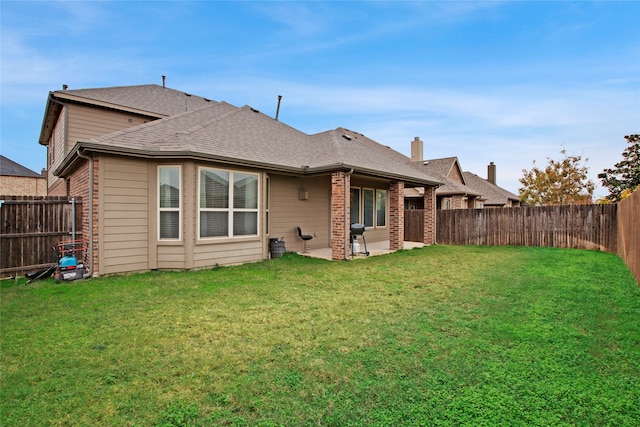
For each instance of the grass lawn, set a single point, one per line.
(441, 335)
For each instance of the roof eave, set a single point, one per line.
(72, 159)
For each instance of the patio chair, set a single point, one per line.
(305, 238)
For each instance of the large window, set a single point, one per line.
(228, 203)
(369, 207)
(169, 202)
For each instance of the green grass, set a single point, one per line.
(434, 336)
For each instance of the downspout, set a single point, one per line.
(90, 159)
(347, 230)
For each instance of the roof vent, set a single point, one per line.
(254, 110)
(347, 137)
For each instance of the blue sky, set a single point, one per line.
(505, 81)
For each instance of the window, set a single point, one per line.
(381, 208)
(368, 207)
(228, 203)
(169, 202)
(355, 206)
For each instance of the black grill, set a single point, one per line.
(358, 229)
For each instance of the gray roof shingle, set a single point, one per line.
(10, 168)
(151, 98)
(494, 195)
(222, 132)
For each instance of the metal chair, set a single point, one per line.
(305, 238)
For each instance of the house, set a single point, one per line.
(178, 181)
(494, 196)
(454, 194)
(17, 180)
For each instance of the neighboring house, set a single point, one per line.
(16, 180)
(454, 194)
(179, 182)
(495, 197)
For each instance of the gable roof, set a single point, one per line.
(494, 195)
(149, 100)
(441, 168)
(10, 168)
(243, 136)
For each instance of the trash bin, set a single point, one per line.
(276, 248)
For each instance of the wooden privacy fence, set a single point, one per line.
(30, 227)
(568, 226)
(629, 233)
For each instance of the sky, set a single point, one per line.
(509, 82)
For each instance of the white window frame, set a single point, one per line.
(230, 210)
(170, 209)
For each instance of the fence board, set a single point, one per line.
(569, 226)
(629, 233)
(30, 227)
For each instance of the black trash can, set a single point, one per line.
(276, 248)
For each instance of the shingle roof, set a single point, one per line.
(440, 168)
(493, 194)
(153, 99)
(224, 133)
(10, 168)
(147, 100)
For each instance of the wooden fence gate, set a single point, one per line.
(30, 229)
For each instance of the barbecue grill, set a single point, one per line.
(358, 230)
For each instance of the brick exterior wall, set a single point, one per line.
(338, 218)
(429, 215)
(79, 187)
(396, 215)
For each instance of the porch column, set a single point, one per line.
(396, 215)
(429, 237)
(340, 185)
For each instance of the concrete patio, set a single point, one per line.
(374, 248)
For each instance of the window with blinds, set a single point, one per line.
(227, 204)
(169, 185)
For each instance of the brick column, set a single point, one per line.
(396, 215)
(429, 215)
(340, 183)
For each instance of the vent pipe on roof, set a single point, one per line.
(164, 78)
(65, 87)
(278, 108)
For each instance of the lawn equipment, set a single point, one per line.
(72, 257)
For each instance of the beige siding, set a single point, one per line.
(58, 143)
(88, 122)
(208, 255)
(312, 215)
(124, 207)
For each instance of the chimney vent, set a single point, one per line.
(417, 150)
(65, 87)
(491, 173)
(164, 78)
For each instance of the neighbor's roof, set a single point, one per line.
(149, 100)
(244, 136)
(10, 168)
(441, 168)
(494, 195)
